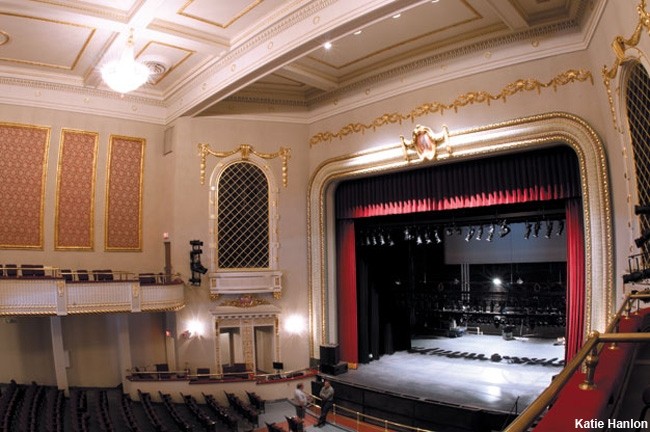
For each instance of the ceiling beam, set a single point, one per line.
(508, 14)
(308, 77)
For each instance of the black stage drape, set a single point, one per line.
(539, 175)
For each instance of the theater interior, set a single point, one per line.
(442, 207)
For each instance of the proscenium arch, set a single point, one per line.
(516, 135)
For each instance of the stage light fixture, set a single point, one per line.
(449, 231)
(504, 229)
(407, 234)
(436, 236)
(529, 228)
(470, 233)
(639, 242)
(639, 209)
(418, 239)
(479, 232)
(427, 238)
(389, 239)
(536, 228)
(549, 229)
(560, 227)
(382, 240)
(490, 233)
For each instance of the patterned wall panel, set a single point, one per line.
(75, 191)
(23, 166)
(123, 225)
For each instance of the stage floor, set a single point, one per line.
(432, 371)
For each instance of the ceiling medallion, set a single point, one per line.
(425, 142)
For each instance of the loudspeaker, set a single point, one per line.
(329, 354)
(335, 369)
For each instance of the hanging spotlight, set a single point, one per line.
(549, 229)
(449, 231)
(382, 240)
(427, 238)
(479, 233)
(390, 240)
(504, 229)
(490, 233)
(436, 236)
(418, 240)
(560, 227)
(536, 228)
(470, 233)
(407, 234)
(529, 228)
(374, 240)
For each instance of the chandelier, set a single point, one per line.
(125, 74)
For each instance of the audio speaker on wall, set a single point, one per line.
(329, 354)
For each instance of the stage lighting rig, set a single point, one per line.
(642, 209)
(195, 262)
(639, 242)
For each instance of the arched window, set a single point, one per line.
(637, 99)
(242, 218)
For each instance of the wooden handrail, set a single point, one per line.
(587, 355)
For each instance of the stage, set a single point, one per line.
(460, 371)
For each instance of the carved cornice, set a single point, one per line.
(620, 45)
(470, 98)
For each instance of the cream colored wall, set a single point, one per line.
(90, 340)
(190, 216)
(588, 100)
(175, 201)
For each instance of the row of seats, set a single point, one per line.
(101, 275)
(205, 419)
(27, 417)
(154, 420)
(182, 424)
(54, 403)
(103, 414)
(245, 410)
(221, 412)
(126, 410)
(8, 404)
(79, 411)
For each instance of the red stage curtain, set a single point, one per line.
(549, 174)
(575, 261)
(347, 291)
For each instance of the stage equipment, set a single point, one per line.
(329, 354)
(504, 229)
(549, 229)
(560, 227)
(639, 242)
(479, 233)
(536, 228)
(529, 228)
(470, 233)
(641, 209)
(195, 262)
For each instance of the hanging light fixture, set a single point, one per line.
(126, 73)
(504, 229)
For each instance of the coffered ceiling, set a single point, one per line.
(215, 57)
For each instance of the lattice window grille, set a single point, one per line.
(242, 217)
(638, 113)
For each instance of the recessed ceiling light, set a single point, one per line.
(357, 33)
(397, 16)
(327, 45)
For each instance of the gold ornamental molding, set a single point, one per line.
(620, 45)
(470, 98)
(246, 151)
(245, 301)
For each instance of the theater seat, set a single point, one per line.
(67, 275)
(82, 275)
(11, 270)
(32, 270)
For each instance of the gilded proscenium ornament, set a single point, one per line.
(425, 143)
(245, 301)
(470, 98)
(246, 150)
(620, 45)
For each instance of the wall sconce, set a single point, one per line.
(295, 324)
(194, 329)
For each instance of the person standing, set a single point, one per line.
(302, 400)
(327, 400)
